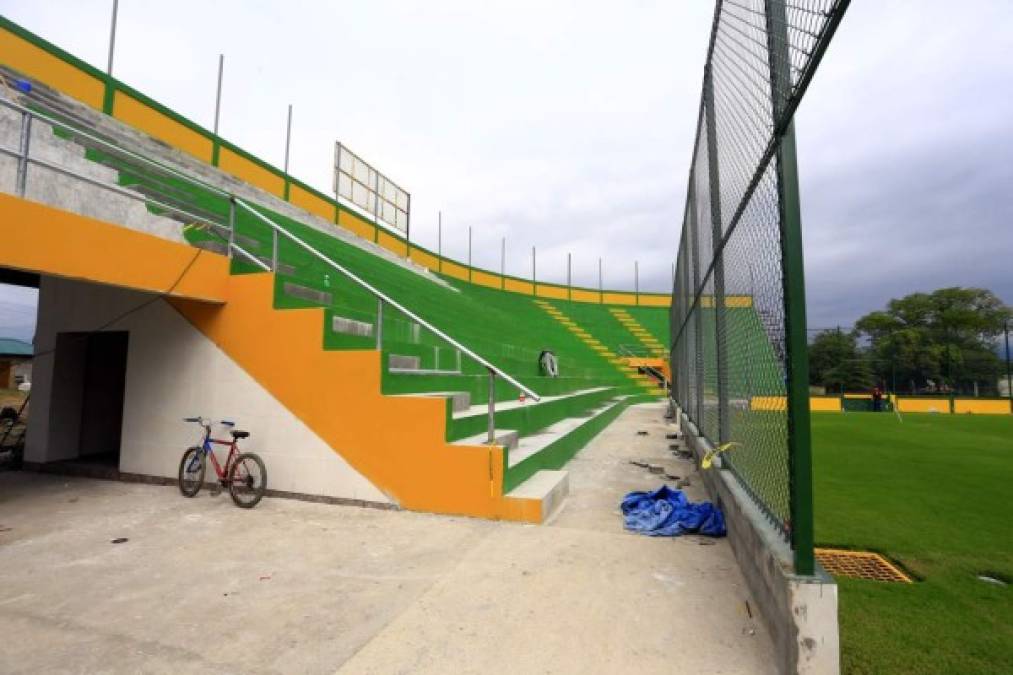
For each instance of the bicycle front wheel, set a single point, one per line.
(191, 471)
(247, 480)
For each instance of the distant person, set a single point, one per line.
(547, 362)
(877, 400)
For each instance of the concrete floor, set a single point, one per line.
(295, 587)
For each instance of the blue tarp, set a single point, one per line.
(667, 513)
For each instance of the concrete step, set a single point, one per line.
(534, 443)
(546, 491)
(400, 363)
(460, 400)
(508, 438)
(483, 409)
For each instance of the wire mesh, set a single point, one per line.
(730, 353)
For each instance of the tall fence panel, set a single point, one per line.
(738, 310)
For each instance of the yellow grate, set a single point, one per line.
(859, 565)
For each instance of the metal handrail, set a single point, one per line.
(380, 295)
(24, 159)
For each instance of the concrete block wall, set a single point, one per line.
(50, 187)
(174, 371)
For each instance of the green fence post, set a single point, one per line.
(714, 181)
(793, 282)
(697, 356)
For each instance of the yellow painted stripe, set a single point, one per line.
(38, 64)
(308, 201)
(138, 115)
(251, 172)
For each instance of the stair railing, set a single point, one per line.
(24, 159)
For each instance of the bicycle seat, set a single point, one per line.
(239, 434)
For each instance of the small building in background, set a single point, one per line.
(15, 363)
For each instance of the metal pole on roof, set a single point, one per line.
(569, 277)
(601, 288)
(218, 93)
(534, 273)
(636, 281)
(112, 38)
(408, 227)
(288, 136)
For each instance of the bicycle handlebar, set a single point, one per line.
(207, 422)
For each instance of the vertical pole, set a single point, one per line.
(274, 250)
(1009, 369)
(636, 281)
(696, 411)
(112, 39)
(232, 224)
(491, 425)
(720, 334)
(21, 180)
(376, 205)
(569, 277)
(408, 228)
(216, 146)
(601, 287)
(288, 143)
(534, 274)
(107, 99)
(502, 264)
(439, 241)
(379, 324)
(797, 366)
(469, 253)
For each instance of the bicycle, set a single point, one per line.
(244, 473)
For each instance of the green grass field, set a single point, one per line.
(932, 492)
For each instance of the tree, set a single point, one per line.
(941, 341)
(835, 362)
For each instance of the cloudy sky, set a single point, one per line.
(569, 125)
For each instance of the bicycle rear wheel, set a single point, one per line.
(191, 471)
(247, 480)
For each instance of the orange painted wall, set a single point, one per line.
(39, 64)
(251, 172)
(397, 442)
(39, 238)
(305, 199)
(140, 116)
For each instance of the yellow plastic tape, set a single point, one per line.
(708, 459)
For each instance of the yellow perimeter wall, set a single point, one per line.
(905, 405)
(44, 62)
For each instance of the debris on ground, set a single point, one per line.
(642, 465)
(684, 482)
(668, 513)
(641, 433)
(119, 540)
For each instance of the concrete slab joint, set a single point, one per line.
(800, 612)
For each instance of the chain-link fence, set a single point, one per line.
(738, 310)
